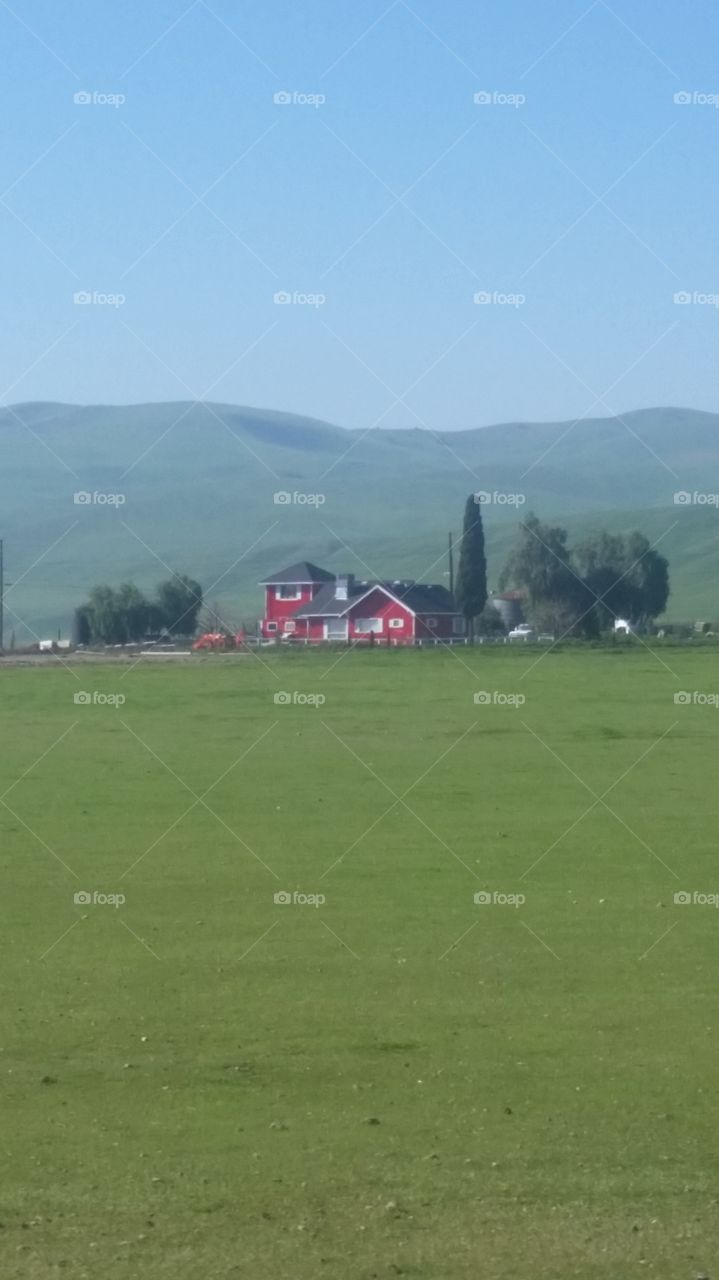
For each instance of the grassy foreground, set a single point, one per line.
(201, 1082)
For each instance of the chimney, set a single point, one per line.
(343, 585)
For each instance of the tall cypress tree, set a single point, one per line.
(470, 590)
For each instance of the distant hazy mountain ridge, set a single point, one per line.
(194, 487)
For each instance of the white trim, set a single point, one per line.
(375, 586)
(395, 623)
(337, 637)
(290, 625)
(378, 587)
(298, 593)
(271, 626)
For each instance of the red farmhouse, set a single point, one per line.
(307, 604)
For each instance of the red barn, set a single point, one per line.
(306, 603)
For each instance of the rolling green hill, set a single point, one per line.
(199, 480)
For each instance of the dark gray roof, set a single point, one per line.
(425, 597)
(303, 571)
(418, 596)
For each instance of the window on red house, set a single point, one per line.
(366, 626)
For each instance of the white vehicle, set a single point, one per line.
(523, 632)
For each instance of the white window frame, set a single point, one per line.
(431, 623)
(271, 626)
(336, 622)
(290, 625)
(288, 593)
(368, 626)
(459, 626)
(396, 623)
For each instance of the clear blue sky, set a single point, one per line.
(304, 198)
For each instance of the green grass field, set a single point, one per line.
(200, 1082)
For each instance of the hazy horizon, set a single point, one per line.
(409, 426)
(391, 216)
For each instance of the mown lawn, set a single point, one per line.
(201, 1082)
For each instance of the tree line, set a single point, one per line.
(124, 615)
(573, 591)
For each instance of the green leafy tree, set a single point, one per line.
(489, 622)
(180, 601)
(470, 588)
(648, 575)
(541, 564)
(134, 610)
(82, 625)
(106, 620)
(602, 561)
(629, 576)
(125, 615)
